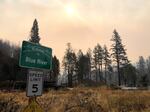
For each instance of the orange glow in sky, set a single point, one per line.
(84, 23)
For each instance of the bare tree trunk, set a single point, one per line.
(105, 75)
(96, 74)
(69, 78)
(101, 71)
(118, 68)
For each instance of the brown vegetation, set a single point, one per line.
(81, 100)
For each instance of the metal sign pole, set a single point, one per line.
(32, 91)
(36, 58)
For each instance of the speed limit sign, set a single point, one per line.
(35, 83)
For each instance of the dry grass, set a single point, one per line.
(81, 100)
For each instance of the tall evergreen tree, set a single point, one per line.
(34, 36)
(95, 62)
(148, 65)
(130, 77)
(89, 56)
(141, 68)
(69, 63)
(107, 61)
(82, 67)
(55, 68)
(79, 66)
(118, 53)
(100, 60)
(148, 68)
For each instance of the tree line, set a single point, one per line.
(97, 66)
(103, 66)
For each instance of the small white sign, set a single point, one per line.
(35, 83)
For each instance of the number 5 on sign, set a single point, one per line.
(35, 83)
(35, 88)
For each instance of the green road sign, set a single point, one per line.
(35, 56)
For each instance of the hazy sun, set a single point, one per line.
(70, 10)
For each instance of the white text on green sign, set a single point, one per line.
(35, 56)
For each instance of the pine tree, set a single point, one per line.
(141, 68)
(148, 65)
(69, 63)
(100, 60)
(83, 68)
(118, 53)
(130, 76)
(107, 61)
(34, 36)
(89, 56)
(95, 62)
(79, 66)
(148, 68)
(55, 68)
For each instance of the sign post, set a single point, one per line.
(36, 57)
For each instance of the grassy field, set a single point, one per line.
(81, 100)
